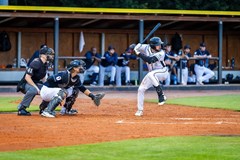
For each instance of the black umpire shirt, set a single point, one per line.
(37, 69)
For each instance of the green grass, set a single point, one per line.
(224, 101)
(9, 104)
(164, 148)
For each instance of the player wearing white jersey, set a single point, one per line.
(153, 55)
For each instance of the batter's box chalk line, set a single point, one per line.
(174, 123)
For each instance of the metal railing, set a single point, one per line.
(190, 58)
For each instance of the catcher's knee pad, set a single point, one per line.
(56, 100)
(71, 100)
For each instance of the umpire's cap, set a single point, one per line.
(76, 63)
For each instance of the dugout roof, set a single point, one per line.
(115, 18)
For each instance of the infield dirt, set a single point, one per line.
(114, 120)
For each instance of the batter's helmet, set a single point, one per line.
(132, 46)
(155, 41)
(77, 63)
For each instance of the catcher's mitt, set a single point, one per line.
(97, 98)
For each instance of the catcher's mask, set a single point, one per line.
(155, 41)
(77, 64)
(49, 52)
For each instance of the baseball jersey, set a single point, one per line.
(146, 49)
(198, 52)
(64, 80)
(89, 60)
(110, 60)
(37, 70)
(126, 59)
(35, 55)
(184, 61)
(169, 59)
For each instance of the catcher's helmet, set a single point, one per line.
(155, 41)
(77, 63)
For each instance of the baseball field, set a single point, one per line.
(192, 125)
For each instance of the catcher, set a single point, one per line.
(63, 85)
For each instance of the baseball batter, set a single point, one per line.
(153, 55)
(63, 85)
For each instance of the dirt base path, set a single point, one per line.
(114, 121)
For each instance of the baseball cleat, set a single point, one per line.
(139, 113)
(65, 112)
(161, 103)
(23, 112)
(47, 114)
(162, 100)
(72, 112)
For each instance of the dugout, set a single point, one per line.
(60, 28)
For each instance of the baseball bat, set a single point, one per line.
(151, 32)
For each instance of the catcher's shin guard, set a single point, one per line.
(43, 106)
(56, 100)
(71, 100)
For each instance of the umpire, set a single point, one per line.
(32, 81)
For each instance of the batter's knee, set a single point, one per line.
(141, 89)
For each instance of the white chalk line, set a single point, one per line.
(190, 119)
(188, 123)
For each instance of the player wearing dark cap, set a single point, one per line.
(202, 72)
(123, 65)
(185, 54)
(108, 64)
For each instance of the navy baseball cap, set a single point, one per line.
(110, 47)
(187, 46)
(202, 44)
(168, 44)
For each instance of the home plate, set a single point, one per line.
(119, 122)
